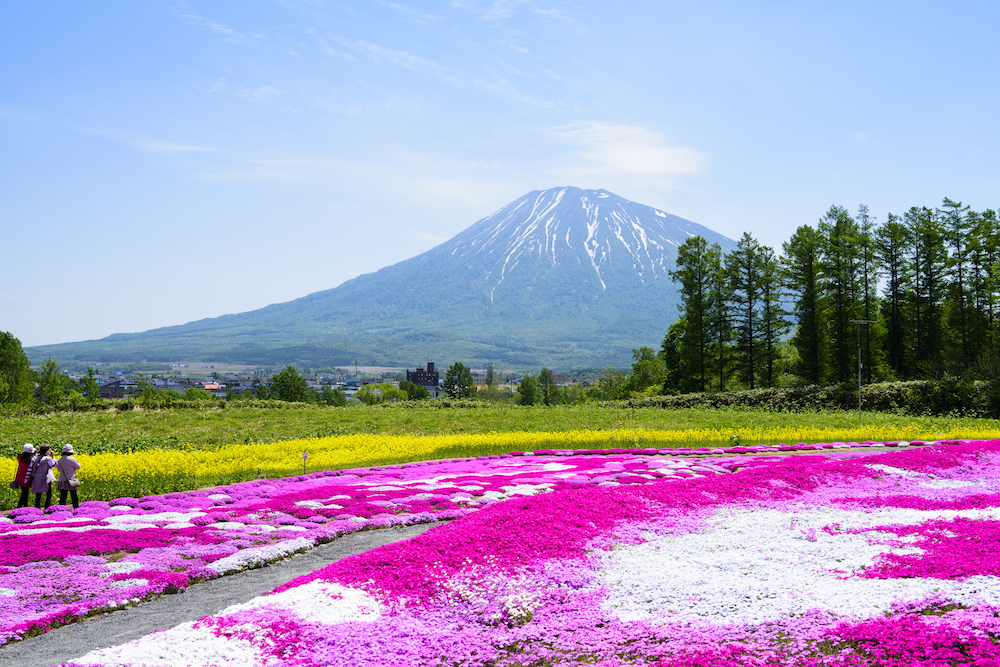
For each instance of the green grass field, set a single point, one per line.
(110, 430)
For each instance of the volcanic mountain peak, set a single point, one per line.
(560, 278)
(595, 229)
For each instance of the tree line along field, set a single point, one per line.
(212, 426)
(918, 296)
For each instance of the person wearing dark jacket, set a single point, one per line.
(24, 470)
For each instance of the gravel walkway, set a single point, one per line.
(209, 597)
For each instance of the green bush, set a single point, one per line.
(950, 397)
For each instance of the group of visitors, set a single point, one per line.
(34, 474)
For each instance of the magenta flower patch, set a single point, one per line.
(841, 557)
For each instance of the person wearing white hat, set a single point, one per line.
(68, 482)
(42, 477)
(23, 476)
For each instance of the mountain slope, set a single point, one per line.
(562, 277)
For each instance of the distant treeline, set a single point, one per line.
(916, 297)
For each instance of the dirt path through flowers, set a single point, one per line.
(210, 597)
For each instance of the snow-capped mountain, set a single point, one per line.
(560, 278)
(602, 234)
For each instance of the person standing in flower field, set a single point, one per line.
(42, 476)
(68, 482)
(23, 476)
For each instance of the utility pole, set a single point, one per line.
(858, 324)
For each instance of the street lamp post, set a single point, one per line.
(858, 323)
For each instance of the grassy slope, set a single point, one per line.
(109, 429)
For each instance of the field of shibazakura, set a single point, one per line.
(852, 554)
(142, 452)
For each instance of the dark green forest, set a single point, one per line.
(915, 296)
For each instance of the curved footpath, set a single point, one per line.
(209, 597)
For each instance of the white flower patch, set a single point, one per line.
(182, 645)
(493, 597)
(131, 526)
(321, 602)
(440, 481)
(257, 529)
(219, 496)
(525, 489)
(170, 517)
(228, 525)
(255, 556)
(313, 504)
(385, 488)
(76, 519)
(318, 505)
(120, 567)
(68, 529)
(926, 481)
(7, 593)
(757, 566)
(316, 602)
(127, 583)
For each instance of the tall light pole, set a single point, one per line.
(858, 324)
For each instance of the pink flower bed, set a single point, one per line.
(827, 559)
(132, 548)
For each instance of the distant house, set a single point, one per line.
(114, 389)
(427, 378)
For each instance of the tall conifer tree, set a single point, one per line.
(745, 268)
(696, 263)
(801, 268)
(840, 266)
(893, 243)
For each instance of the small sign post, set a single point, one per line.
(859, 323)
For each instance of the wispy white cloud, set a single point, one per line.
(403, 59)
(170, 148)
(260, 93)
(863, 138)
(325, 47)
(407, 13)
(229, 34)
(501, 11)
(503, 88)
(625, 150)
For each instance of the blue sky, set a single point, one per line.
(162, 161)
